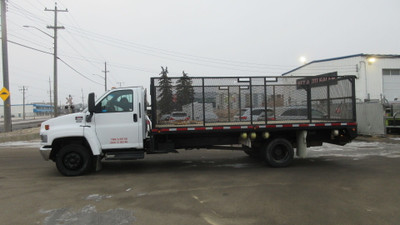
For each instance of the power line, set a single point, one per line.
(35, 49)
(170, 55)
(40, 3)
(125, 46)
(27, 40)
(92, 48)
(79, 72)
(159, 51)
(25, 46)
(25, 13)
(192, 61)
(83, 57)
(175, 53)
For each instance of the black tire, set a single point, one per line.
(73, 160)
(279, 153)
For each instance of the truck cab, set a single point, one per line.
(114, 126)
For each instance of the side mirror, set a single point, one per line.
(91, 103)
(91, 107)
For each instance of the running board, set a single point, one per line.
(124, 155)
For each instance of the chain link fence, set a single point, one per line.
(213, 101)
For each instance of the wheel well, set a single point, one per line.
(289, 136)
(61, 142)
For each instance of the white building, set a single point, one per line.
(378, 76)
(31, 110)
(377, 83)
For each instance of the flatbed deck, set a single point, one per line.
(258, 123)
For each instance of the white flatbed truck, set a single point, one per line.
(116, 127)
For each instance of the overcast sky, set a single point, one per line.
(204, 37)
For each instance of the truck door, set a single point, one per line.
(117, 120)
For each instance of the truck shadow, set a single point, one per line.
(211, 163)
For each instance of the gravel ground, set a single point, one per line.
(353, 184)
(20, 135)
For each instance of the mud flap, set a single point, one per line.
(97, 163)
(301, 137)
(245, 142)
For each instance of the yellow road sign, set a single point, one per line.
(4, 94)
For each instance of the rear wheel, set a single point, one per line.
(73, 160)
(279, 153)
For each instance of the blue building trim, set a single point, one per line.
(42, 110)
(42, 105)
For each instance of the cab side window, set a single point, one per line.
(117, 101)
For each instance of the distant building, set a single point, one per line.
(42, 109)
(377, 84)
(378, 76)
(31, 110)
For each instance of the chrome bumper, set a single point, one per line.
(45, 152)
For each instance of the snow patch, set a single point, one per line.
(356, 150)
(97, 197)
(26, 144)
(88, 215)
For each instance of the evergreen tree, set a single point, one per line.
(165, 104)
(184, 90)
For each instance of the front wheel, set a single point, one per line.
(73, 160)
(279, 153)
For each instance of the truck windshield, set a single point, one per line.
(117, 101)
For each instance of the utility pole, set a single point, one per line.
(120, 83)
(7, 102)
(23, 89)
(83, 99)
(105, 76)
(50, 91)
(55, 27)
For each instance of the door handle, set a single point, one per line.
(135, 117)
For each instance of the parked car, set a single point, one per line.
(270, 115)
(299, 113)
(256, 112)
(165, 117)
(210, 117)
(178, 116)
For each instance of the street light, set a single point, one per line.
(303, 60)
(371, 60)
(27, 26)
(55, 67)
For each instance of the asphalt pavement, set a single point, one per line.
(355, 184)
